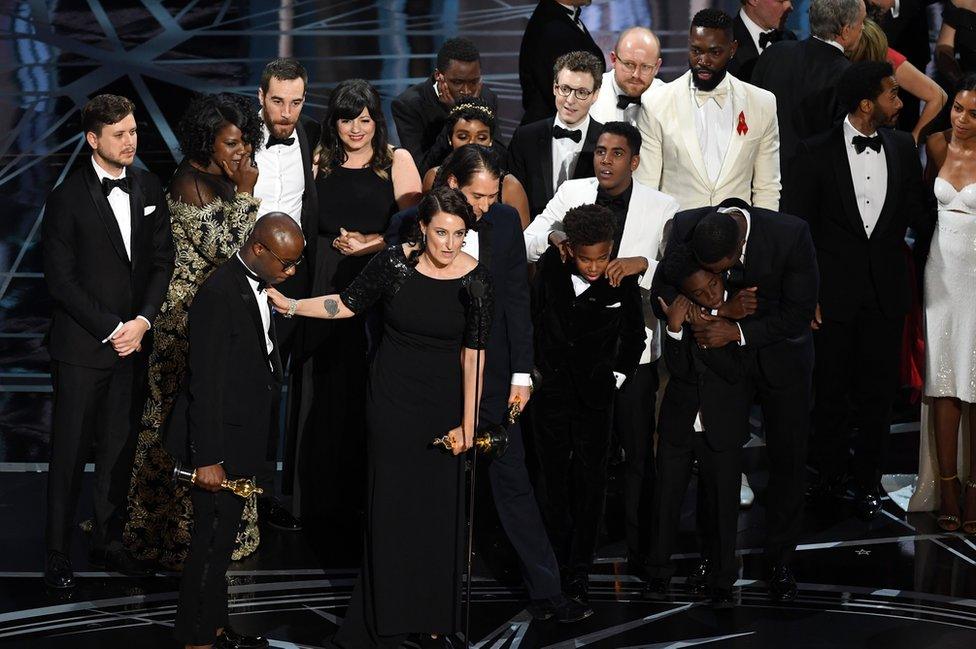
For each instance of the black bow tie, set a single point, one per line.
(108, 184)
(772, 36)
(558, 133)
(613, 203)
(861, 142)
(626, 100)
(254, 276)
(272, 141)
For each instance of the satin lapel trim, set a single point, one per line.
(247, 295)
(845, 185)
(104, 211)
(633, 223)
(683, 105)
(894, 172)
(740, 104)
(545, 144)
(137, 204)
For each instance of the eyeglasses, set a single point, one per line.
(581, 93)
(631, 66)
(285, 265)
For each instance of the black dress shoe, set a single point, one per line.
(231, 639)
(867, 503)
(698, 579)
(57, 571)
(656, 588)
(271, 512)
(572, 611)
(782, 584)
(118, 560)
(577, 588)
(722, 599)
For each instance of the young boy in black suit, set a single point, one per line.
(589, 336)
(704, 415)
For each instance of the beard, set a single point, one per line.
(710, 84)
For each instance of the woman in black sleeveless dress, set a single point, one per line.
(361, 181)
(421, 386)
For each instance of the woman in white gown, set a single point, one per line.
(949, 415)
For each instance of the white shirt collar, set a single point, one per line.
(250, 280)
(582, 125)
(850, 130)
(753, 29)
(896, 9)
(266, 133)
(831, 42)
(101, 173)
(745, 213)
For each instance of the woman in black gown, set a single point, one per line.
(361, 181)
(421, 386)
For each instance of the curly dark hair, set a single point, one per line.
(207, 114)
(102, 110)
(861, 80)
(456, 49)
(580, 62)
(713, 18)
(347, 101)
(438, 199)
(626, 130)
(679, 263)
(471, 109)
(589, 224)
(715, 237)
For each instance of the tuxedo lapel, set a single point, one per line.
(845, 184)
(740, 104)
(486, 240)
(104, 211)
(584, 164)
(545, 157)
(251, 304)
(634, 222)
(137, 202)
(683, 108)
(892, 194)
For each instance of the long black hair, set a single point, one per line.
(463, 163)
(207, 114)
(347, 101)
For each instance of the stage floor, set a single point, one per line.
(897, 582)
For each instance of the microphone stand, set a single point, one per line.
(478, 302)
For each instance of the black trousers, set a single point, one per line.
(856, 380)
(202, 607)
(287, 330)
(633, 419)
(718, 480)
(572, 441)
(100, 407)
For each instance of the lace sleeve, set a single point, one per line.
(217, 230)
(478, 318)
(382, 277)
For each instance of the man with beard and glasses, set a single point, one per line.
(759, 24)
(285, 184)
(636, 61)
(718, 134)
(859, 186)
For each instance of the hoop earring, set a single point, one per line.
(423, 239)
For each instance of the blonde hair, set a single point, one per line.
(873, 44)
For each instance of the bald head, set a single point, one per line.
(636, 60)
(274, 247)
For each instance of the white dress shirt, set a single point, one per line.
(753, 29)
(713, 126)
(472, 246)
(118, 200)
(869, 171)
(579, 285)
(281, 177)
(630, 113)
(263, 306)
(831, 42)
(565, 152)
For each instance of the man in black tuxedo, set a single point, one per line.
(704, 415)
(508, 367)
(108, 259)
(773, 270)
(219, 422)
(589, 336)
(421, 110)
(906, 24)
(545, 153)
(759, 24)
(554, 29)
(859, 186)
(285, 184)
(803, 74)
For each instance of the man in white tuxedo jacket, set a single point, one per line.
(636, 60)
(708, 136)
(644, 214)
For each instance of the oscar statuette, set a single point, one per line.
(241, 487)
(492, 441)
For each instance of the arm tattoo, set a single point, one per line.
(331, 308)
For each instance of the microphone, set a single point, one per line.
(477, 290)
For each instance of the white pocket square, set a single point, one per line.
(615, 305)
(149, 210)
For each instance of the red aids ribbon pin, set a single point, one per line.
(742, 128)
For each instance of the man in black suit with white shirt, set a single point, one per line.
(108, 258)
(218, 424)
(759, 24)
(859, 186)
(547, 152)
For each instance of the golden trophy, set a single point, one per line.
(241, 487)
(492, 441)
